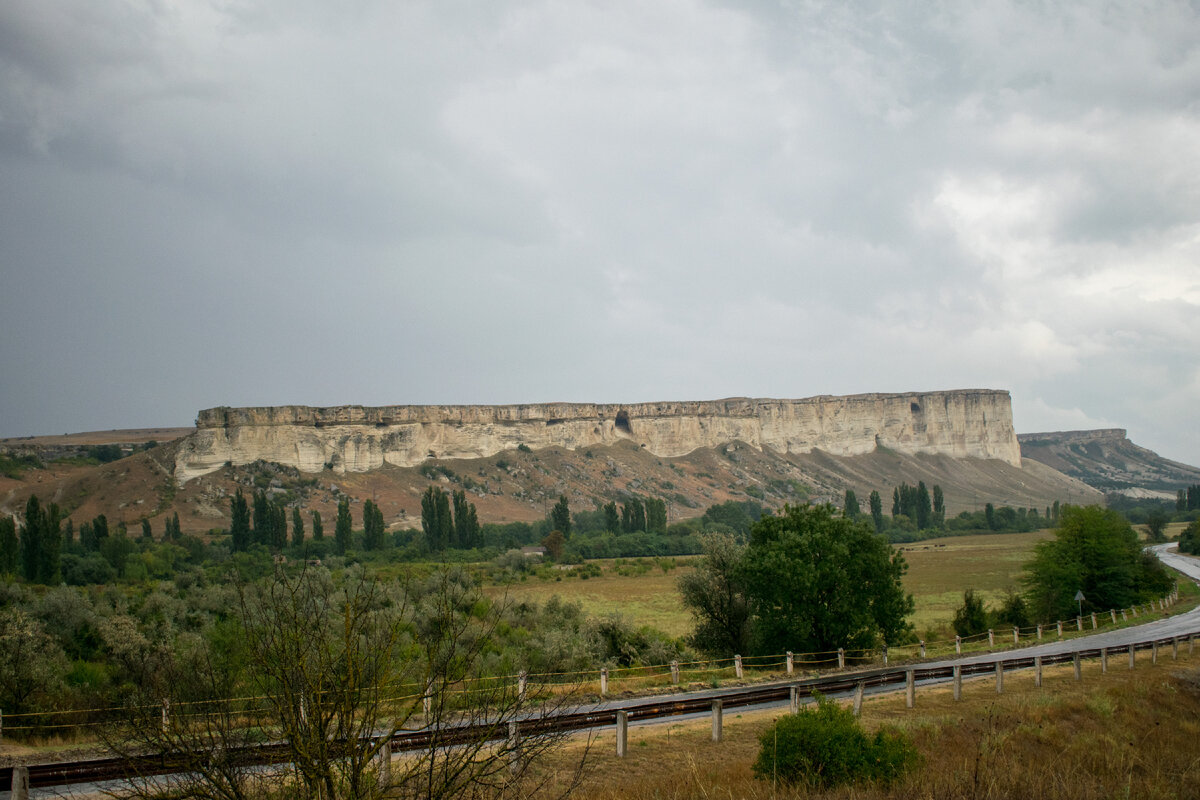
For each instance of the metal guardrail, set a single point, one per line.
(107, 769)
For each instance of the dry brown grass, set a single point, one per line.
(1117, 735)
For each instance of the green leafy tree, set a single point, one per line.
(467, 533)
(876, 503)
(1189, 540)
(924, 509)
(436, 521)
(342, 527)
(612, 519)
(373, 526)
(297, 527)
(1156, 526)
(50, 557)
(971, 617)
(850, 507)
(989, 513)
(716, 595)
(656, 515)
(817, 582)
(939, 506)
(148, 534)
(560, 517)
(239, 523)
(31, 538)
(318, 527)
(554, 542)
(9, 545)
(1095, 551)
(261, 516)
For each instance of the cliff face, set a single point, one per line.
(962, 423)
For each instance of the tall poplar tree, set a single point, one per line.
(342, 529)
(876, 503)
(31, 539)
(297, 527)
(317, 526)
(9, 547)
(239, 523)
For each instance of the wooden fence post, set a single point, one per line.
(623, 733)
(1131, 654)
(427, 700)
(958, 644)
(522, 685)
(858, 698)
(999, 677)
(1124, 616)
(717, 712)
(166, 715)
(1078, 667)
(1037, 671)
(1060, 629)
(1039, 631)
(958, 682)
(1174, 647)
(1016, 635)
(910, 687)
(791, 662)
(1103, 660)
(675, 672)
(737, 667)
(1114, 616)
(1133, 609)
(841, 658)
(885, 655)
(922, 648)
(794, 699)
(1079, 623)
(991, 638)
(1093, 620)
(603, 681)
(1154, 652)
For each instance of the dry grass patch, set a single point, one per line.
(1124, 734)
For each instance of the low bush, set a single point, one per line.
(824, 746)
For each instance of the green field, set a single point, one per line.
(939, 571)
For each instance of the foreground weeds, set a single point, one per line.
(1124, 734)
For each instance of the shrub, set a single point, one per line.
(970, 618)
(824, 746)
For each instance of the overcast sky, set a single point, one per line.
(236, 202)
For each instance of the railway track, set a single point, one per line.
(878, 679)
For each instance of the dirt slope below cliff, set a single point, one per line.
(521, 486)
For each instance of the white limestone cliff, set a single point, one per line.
(967, 423)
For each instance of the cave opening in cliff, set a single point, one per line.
(915, 408)
(623, 422)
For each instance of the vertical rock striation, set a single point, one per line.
(974, 423)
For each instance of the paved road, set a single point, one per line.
(1177, 625)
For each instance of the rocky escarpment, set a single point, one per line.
(961, 423)
(1106, 460)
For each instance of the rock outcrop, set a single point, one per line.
(960, 423)
(1106, 460)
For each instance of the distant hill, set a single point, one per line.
(1106, 460)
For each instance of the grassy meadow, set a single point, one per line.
(939, 571)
